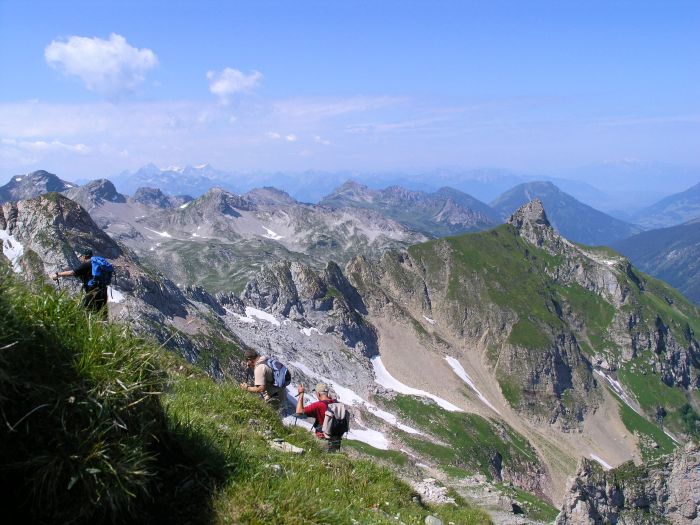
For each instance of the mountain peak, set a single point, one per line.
(531, 223)
(21, 187)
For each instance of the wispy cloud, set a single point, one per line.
(327, 108)
(110, 67)
(230, 81)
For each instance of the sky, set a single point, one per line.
(89, 89)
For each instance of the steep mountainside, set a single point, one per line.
(663, 491)
(671, 254)
(40, 236)
(674, 209)
(573, 219)
(445, 212)
(32, 185)
(553, 325)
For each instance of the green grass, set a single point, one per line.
(533, 507)
(470, 441)
(527, 334)
(105, 427)
(648, 432)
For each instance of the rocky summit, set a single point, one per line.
(32, 185)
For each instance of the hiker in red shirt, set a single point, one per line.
(316, 410)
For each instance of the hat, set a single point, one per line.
(250, 353)
(87, 252)
(321, 388)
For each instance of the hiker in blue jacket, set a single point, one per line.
(95, 287)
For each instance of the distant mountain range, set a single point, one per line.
(574, 220)
(444, 212)
(188, 180)
(674, 209)
(671, 254)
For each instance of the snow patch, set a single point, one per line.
(308, 331)
(162, 234)
(12, 248)
(114, 295)
(617, 388)
(18, 179)
(349, 397)
(462, 373)
(373, 438)
(272, 235)
(385, 379)
(183, 206)
(259, 314)
(602, 462)
(431, 321)
(240, 317)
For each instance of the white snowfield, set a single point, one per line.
(114, 295)
(272, 235)
(350, 398)
(251, 312)
(308, 331)
(462, 373)
(162, 234)
(617, 388)
(602, 462)
(248, 320)
(384, 378)
(12, 248)
(183, 206)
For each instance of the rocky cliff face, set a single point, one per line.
(666, 490)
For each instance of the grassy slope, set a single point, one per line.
(93, 438)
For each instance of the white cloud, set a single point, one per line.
(291, 137)
(42, 146)
(273, 135)
(322, 141)
(231, 81)
(110, 67)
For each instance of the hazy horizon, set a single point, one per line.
(541, 88)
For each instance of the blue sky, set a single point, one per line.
(92, 88)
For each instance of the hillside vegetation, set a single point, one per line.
(101, 426)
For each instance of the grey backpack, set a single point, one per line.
(337, 420)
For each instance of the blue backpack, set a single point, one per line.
(282, 377)
(102, 272)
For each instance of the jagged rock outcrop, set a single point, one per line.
(666, 490)
(95, 193)
(327, 301)
(32, 185)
